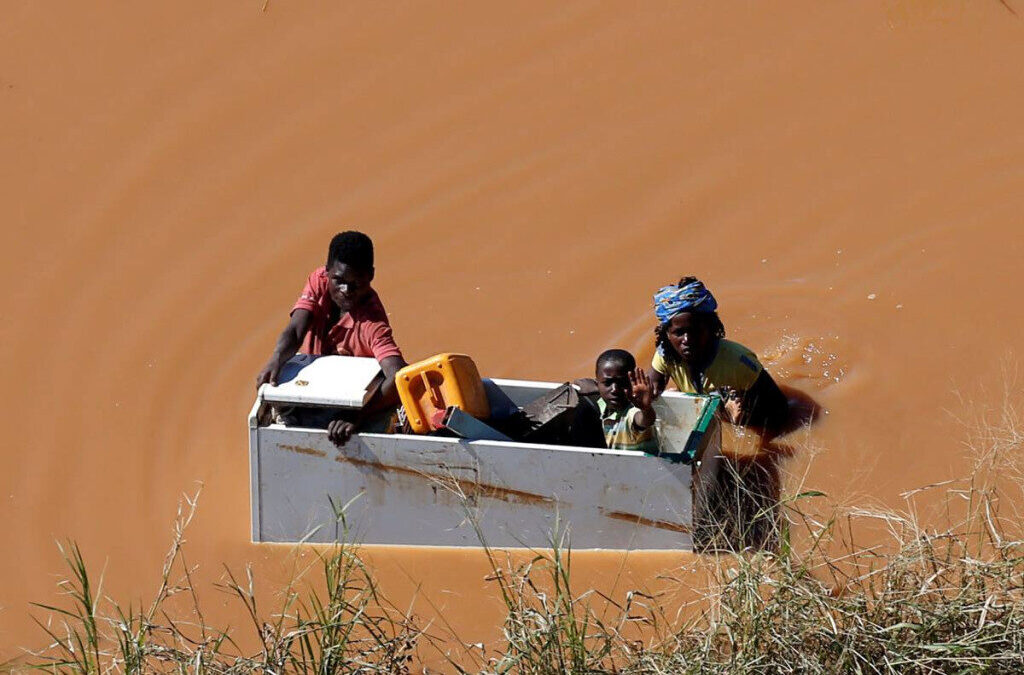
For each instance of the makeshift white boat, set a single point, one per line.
(422, 490)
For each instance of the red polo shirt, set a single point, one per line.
(364, 331)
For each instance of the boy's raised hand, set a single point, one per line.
(641, 392)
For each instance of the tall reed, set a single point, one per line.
(941, 592)
(339, 623)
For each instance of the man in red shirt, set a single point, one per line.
(338, 312)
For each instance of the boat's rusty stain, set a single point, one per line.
(471, 489)
(508, 494)
(454, 467)
(303, 451)
(648, 522)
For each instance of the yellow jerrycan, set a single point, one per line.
(430, 386)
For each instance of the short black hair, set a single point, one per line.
(618, 356)
(351, 248)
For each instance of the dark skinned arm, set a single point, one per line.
(339, 431)
(658, 382)
(764, 405)
(287, 344)
(387, 395)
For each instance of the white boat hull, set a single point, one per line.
(430, 491)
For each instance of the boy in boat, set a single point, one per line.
(338, 312)
(625, 397)
(692, 352)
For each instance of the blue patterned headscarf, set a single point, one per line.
(693, 297)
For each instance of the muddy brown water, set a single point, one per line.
(848, 178)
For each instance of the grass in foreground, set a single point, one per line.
(340, 625)
(925, 598)
(942, 594)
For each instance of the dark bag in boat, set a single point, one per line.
(563, 417)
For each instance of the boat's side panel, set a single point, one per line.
(254, 468)
(677, 420)
(434, 491)
(707, 468)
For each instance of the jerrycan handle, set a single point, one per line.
(435, 394)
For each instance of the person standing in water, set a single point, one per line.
(692, 352)
(338, 312)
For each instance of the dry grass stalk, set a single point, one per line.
(940, 594)
(339, 624)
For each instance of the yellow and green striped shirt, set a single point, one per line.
(620, 433)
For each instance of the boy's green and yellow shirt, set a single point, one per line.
(621, 434)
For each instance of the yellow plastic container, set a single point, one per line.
(435, 384)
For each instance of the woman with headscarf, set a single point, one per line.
(692, 352)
